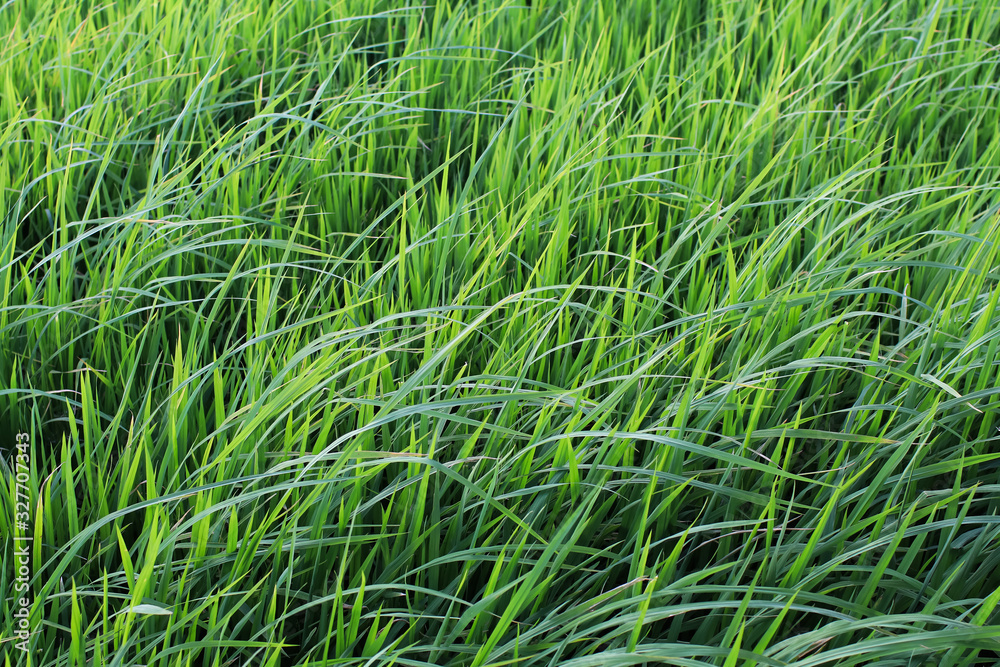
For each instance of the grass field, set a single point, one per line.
(561, 333)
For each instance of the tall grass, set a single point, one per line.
(578, 332)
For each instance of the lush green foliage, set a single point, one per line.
(581, 333)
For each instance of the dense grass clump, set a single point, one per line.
(571, 333)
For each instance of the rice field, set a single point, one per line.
(550, 333)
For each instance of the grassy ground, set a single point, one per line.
(577, 333)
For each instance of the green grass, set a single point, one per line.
(584, 333)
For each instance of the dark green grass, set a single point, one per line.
(556, 333)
